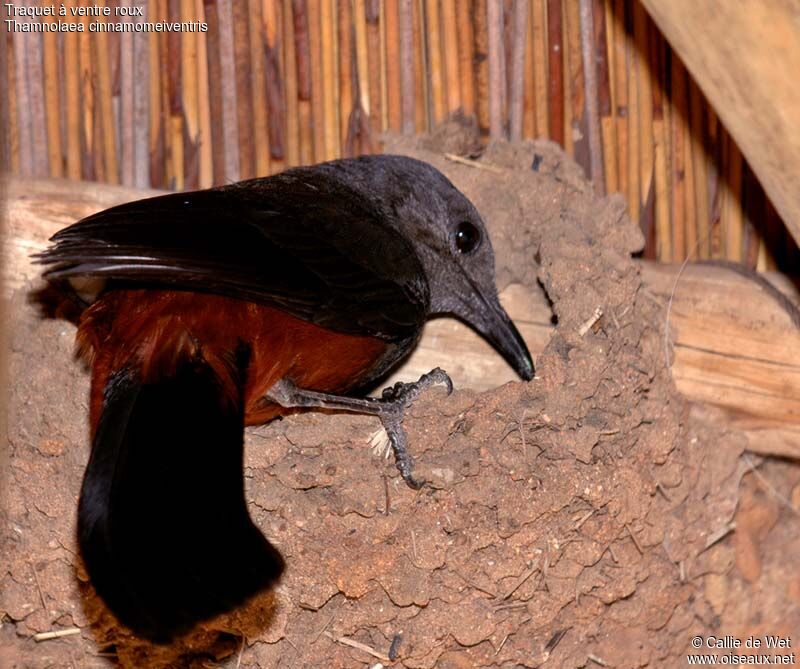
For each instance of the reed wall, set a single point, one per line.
(276, 83)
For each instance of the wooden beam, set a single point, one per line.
(734, 348)
(746, 58)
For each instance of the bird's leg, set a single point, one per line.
(389, 408)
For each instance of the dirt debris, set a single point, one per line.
(567, 522)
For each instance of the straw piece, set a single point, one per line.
(494, 23)
(421, 97)
(5, 106)
(700, 160)
(436, 68)
(302, 50)
(644, 76)
(155, 141)
(407, 84)
(634, 130)
(516, 96)
(451, 55)
(555, 69)
(683, 239)
(576, 140)
(258, 90)
(592, 88)
(205, 174)
(732, 214)
(466, 45)
(213, 63)
(540, 67)
(317, 86)
(276, 101)
(391, 19)
(291, 84)
(227, 84)
(619, 96)
(329, 82)
(190, 98)
(529, 86)
(53, 103)
(372, 10)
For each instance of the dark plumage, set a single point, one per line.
(225, 307)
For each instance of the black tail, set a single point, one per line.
(162, 522)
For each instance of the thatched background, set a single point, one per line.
(275, 83)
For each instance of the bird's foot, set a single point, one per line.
(389, 408)
(394, 402)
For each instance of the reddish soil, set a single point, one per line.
(582, 519)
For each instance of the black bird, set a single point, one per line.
(226, 307)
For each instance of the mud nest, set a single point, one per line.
(582, 519)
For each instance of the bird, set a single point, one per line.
(204, 312)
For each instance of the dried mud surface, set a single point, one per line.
(583, 519)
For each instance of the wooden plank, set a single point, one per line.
(734, 348)
(745, 56)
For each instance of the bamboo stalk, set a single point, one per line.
(421, 98)
(644, 78)
(302, 52)
(437, 82)
(393, 91)
(362, 58)
(128, 155)
(156, 12)
(699, 169)
(494, 23)
(451, 55)
(592, 93)
(712, 138)
(407, 92)
(575, 120)
(24, 121)
(555, 70)
(732, 214)
(175, 127)
(634, 128)
(603, 32)
(317, 79)
(190, 98)
(167, 168)
(375, 57)
(683, 239)
(754, 205)
(529, 86)
(227, 83)
(141, 85)
(339, 122)
(516, 97)
(384, 45)
(661, 139)
(481, 62)
(53, 103)
(466, 45)
(620, 93)
(243, 88)
(205, 166)
(540, 68)
(291, 87)
(273, 68)
(329, 83)
(36, 102)
(6, 84)
(260, 140)
(72, 101)
(215, 91)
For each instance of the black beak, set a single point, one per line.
(499, 330)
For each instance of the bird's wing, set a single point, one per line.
(311, 248)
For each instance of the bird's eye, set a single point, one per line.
(467, 237)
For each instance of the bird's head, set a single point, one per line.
(451, 240)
